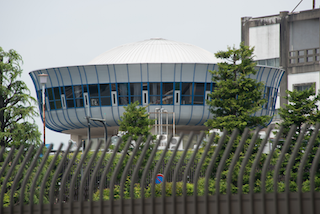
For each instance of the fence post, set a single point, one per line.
(17, 176)
(221, 165)
(145, 171)
(165, 173)
(115, 173)
(4, 184)
(32, 166)
(277, 167)
(303, 162)
(233, 163)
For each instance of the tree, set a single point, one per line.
(135, 122)
(236, 97)
(302, 108)
(16, 107)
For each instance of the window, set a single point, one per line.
(123, 93)
(135, 92)
(303, 86)
(78, 95)
(186, 93)
(198, 94)
(51, 98)
(154, 93)
(272, 62)
(54, 98)
(94, 95)
(167, 93)
(69, 96)
(105, 94)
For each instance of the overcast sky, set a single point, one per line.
(64, 33)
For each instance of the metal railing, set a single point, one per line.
(238, 150)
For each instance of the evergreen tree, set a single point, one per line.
(236, 97)
(302, 108)
(135, 122)
(16, 104)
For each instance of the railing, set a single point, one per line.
(220, 165)
(304, 57)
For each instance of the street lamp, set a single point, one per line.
(103, 121)
(43, 81)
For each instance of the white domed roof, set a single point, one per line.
(155, 50)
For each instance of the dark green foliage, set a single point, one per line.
(302, 108)
(16, 104)
(30, 180)
(135, 122)
(236, 97)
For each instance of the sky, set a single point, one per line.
(64, 33)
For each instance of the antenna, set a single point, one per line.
(298, 5)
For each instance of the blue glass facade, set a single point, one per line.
(100, 94)
(101, 91)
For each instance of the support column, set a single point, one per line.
(284, 52)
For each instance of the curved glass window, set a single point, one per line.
(94, 95)
(123, 93)
(51, 98)
(161, 93)
(198, 94)
(135, 92)
(167, 93)
(54, 98)
(78, 95)
(105, 94)
(154, 93)
(69, 96)
(100, 94)
(186, 93)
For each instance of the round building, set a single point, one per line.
(171, 78)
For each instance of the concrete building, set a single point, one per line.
(170, 78)
(289, 41)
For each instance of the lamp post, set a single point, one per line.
(43, 81)
(103, 121)
(161, 122)
(156, 116)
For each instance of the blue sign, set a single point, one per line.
(159, 178)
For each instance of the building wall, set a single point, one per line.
(303, 78)
(102, 91)
(298, 42)
(266, 41)
(304, 34)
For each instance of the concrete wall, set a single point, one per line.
(266, 40)
(301, 78)
(304, 34)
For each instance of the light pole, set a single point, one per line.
(156, 120)
(161, 122)
(103, 121)
(43, 81)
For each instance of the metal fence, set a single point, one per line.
(65, 171)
